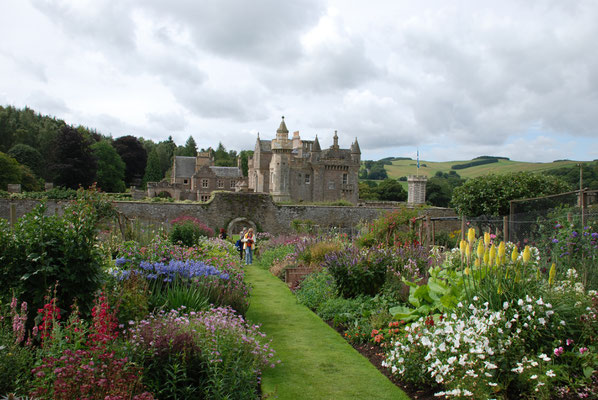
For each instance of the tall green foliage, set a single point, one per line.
(73, 162)
(111, 169)
(490, 194)
(41, 250)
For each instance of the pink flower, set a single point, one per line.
(559, 351)
(583, 350)
(569, 342)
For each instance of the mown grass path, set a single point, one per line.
(317, 363)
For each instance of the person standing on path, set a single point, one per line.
(249, 242)
(240, 242)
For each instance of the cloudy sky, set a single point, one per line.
(456, 79)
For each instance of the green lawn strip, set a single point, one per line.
(317, 363)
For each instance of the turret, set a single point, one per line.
(335, 143)
(355, 152)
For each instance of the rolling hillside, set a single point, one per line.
(401, 168)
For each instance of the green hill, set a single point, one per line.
(400, 168)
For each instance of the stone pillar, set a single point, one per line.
(416, 189)
(14, 188)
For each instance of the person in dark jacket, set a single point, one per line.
(239, 243)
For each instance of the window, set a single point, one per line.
(204, 183)
(232, 183)
(330, 185)
(307, 179)
(220, 184)
(204, 197)
(345, 179)
(185, 181)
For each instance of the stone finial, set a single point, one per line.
(283, 127)
(316, 145)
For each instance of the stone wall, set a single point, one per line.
(226, 208)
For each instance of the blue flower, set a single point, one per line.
(121, 261)
(555, 240)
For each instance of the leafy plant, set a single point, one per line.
(316, 288)
(187, 230)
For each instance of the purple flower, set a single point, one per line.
(555, 240)
(558, 226)
(574, 234)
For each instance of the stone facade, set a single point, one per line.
(298, 170)
(416, 186)
(195, 178)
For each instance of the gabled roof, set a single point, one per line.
(227, 172)
(184, 166)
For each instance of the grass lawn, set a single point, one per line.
(317, 363)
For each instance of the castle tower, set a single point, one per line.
(280, 168)
(355, 152)
(416, 193)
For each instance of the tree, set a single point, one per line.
(439, 189)
(153, 173)
(28, 156)
(391, 190)
(134, 156)
(189, 149)
(367, 190)
(73, 162)
(166, 150)
(111, 169)
(10, 171)
(245, 154)
(490, 194)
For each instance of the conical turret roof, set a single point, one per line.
(355, 147)
(283, 127)
(316, 145)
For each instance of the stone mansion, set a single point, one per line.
(289, 169)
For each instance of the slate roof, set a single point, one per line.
(184, 166)
(226, 172)
(265, 145)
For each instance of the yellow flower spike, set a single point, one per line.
(480, 251)
(471, 236)
(501, 250)
(462, 247)
(477, 262)
(492, 253)
(467, 252)
(515, 254)
(527, 254)
(487, 257)
(486, 239)
(552, 274)
(467, 271)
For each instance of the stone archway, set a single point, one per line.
(235, 226)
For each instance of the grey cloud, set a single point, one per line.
(43, 102)
(168, 121)
(261, 31)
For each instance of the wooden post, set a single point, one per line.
(433, 233)
(505, 228)
(13, 214)
(569, 217)
(582, 195)
(428, 230)
(463, 228)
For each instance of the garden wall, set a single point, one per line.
(226, 208)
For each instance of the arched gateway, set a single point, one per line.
(234, 227)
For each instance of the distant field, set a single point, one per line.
(401, 168)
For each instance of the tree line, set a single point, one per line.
(35, 149)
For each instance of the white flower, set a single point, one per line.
(563, 323)
(544, 357)
(505, 305)
(550, 373)
(534, 377)
(542, 321)
(540, 302)
(520, 302)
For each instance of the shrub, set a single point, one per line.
(392, 229)
(215, 350)
(42, 249)
(357, 272)
(187, 230)
(84, 361)
(316, 288)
